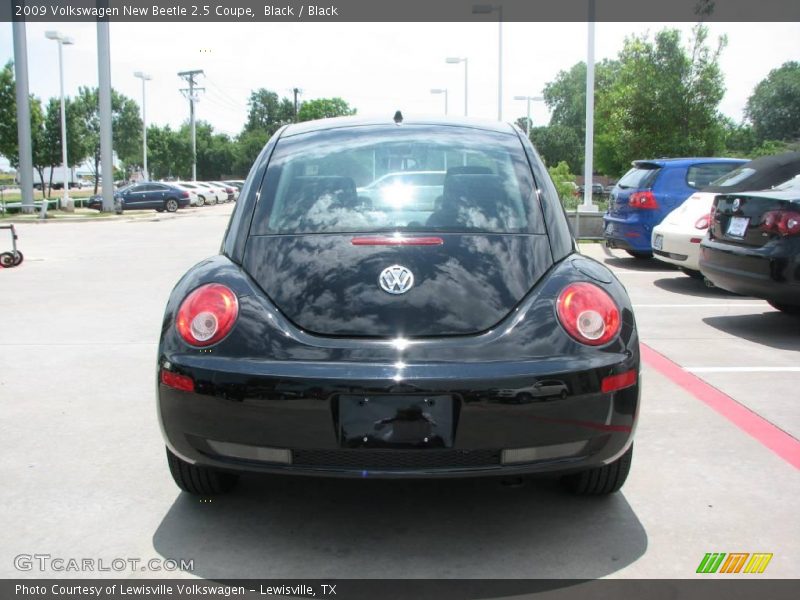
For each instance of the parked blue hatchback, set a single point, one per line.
(650, 191)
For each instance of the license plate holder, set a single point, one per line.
(737, 227)
(396, 421)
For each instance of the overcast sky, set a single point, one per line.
(376, 67)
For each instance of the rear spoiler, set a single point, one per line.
(646, 164)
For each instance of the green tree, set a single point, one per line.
(559, 143)
(126, 126)
(8, 114)
(246, 149)
(324, 108)
(565, 96)
(564, 181)
(169, 153)
(663, 101)
(774, 106)
(215, 151)
(267, 112)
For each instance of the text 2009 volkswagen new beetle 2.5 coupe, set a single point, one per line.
(440, 326)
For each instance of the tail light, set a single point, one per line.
(781, 222)
(703, 222)
(643, 200)
(588, 314)
(207, 315)
(228, 190)
(184, 194)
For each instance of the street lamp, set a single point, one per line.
(144, 77)
(441, 91)
(455, 61)
(529, 99)
(62, 40)
(485, 9)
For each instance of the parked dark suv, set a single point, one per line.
(386, 331)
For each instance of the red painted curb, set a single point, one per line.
(774, 438)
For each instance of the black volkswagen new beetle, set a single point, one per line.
(440, 326)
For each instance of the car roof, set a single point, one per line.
(684, 162)
(342, 122)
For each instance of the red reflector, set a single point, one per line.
(695, 240)
(397, 241)
(613, 383)
(633, 234)
(177, 381)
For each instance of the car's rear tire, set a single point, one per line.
(171, 205)
(692, 273)
(789, 309)
(200, 200)
(640, 255)
(197, 480)
(603, 480)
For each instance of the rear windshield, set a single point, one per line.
(638, 178)
(388, 178)
(702, 175)
(733, 177)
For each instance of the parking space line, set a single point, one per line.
(768, 434)
(742, 369)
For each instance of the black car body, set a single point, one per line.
(394, 335)
(147, 195)
(753, 245)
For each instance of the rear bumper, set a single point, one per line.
(677, 249)
(263, 417)
(771, 272)
(628, 233)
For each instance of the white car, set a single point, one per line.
(677, 238)
(204, 196)
(219, 194)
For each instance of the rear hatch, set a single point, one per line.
(323, 237)
(752, 219)
(640, 178)
(328, 285)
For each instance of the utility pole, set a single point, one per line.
(296, 92)
(190, 93)
(104, 105)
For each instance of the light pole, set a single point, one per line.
(485, 9)
(62, 40)
(588, 166)
(529, 99)
(441, 91)
(145, 77)
(455, 61)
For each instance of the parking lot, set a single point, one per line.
(715, 466)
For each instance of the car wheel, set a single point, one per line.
(640, 255)
(18, 258)
(692, 273)
(171, 205)
(601, 480)
(200, 200)
(200, 481)
(7, 259)
(789, 309)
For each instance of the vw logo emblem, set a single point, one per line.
(396, 279)
(736, 204)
